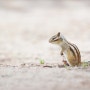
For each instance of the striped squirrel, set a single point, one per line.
(68, 49)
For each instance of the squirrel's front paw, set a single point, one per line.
(61, 54)
(65, 63)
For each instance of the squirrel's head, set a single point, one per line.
(56, 39)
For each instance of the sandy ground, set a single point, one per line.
(25, 28)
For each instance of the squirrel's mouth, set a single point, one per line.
(50, 40)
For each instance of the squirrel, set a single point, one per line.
(68, 49)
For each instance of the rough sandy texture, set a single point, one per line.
(25, 28)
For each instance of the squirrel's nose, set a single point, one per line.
(49, 40)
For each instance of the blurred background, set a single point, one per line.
(27, 25)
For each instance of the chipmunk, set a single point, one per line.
(68, 49)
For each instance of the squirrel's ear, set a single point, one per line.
(58, 34)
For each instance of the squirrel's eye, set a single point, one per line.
(53, 38)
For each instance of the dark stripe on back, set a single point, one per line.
(73, 52)
(77, 51)
(79, 56)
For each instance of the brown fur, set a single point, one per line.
(73, 53)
